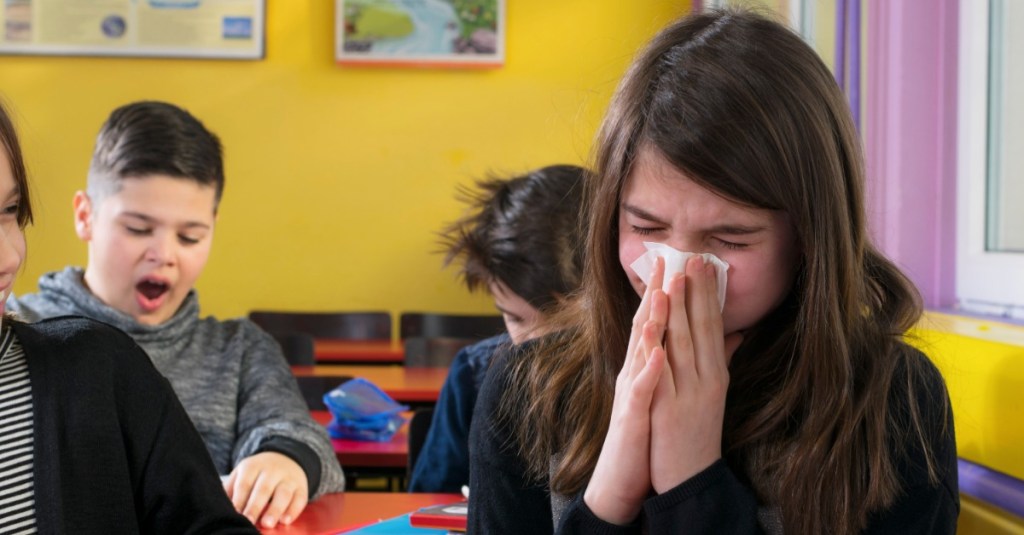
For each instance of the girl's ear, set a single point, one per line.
(83, 215)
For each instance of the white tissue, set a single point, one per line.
(675, 262)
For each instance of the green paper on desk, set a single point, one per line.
(395, 526)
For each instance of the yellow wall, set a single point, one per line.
(337, 177)
(980, 518)
(981, 362)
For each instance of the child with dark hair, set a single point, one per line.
(517, 243)
(92, 438)
(148, 215)
(763, 384)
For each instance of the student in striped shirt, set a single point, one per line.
(92, 437)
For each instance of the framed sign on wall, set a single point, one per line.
(231, 29)
(431, 33)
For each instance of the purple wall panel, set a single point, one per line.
(911, 139)
(993, 487)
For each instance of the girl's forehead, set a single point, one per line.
(650, 160)
(654, 180)
(653, 175)
(650, 171)
(659, 191)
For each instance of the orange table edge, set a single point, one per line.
(341, 512)
(405, 385)
(342, 351)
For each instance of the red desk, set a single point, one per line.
(405, 385)
(341, 512)
(364, 454)
(358, 351)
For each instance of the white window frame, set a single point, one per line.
(987, 282)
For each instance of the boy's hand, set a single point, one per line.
(268, 487)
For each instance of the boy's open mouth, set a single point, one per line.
(152, 290)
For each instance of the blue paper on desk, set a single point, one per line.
(362, 411)
(395, 526)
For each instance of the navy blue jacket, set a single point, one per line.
(443, 463)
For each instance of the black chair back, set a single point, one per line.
(436, 325)
(297, 347)
(419, 425)
(338, 325)
(423, 352)
(314, 387)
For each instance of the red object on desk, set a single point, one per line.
(451, 516)
(368, 454)
(341, 512)
(404, 385)
(358, 351)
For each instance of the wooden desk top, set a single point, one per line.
(340, 512)
(359, 351)
(405, 385)
(366, 454)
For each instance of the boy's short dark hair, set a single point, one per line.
(522, 232)
(149, 138)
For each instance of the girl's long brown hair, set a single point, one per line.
(822, 387)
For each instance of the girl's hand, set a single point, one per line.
(268, 487)
(621, 479)
(688, 406)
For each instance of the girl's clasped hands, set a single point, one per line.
(669, 405)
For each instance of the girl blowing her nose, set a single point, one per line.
(797, 408)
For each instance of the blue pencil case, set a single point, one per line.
(362, 411)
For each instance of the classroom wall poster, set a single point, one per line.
(444, 33)
(231, 29)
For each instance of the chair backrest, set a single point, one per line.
(339, 325)
(422, 352)
(435, 325)
(297, 347)
(313, 388)
(418, 427)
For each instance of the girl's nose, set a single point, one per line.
(685, 245)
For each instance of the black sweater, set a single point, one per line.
(715, 501)
(114, 451)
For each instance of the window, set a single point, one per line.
(990, 220)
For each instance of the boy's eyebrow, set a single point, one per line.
(149, 219)
(726, 228)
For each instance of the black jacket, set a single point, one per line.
(114, 451)
(712, 502)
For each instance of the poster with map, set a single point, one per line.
(445, 33)
(172, 28)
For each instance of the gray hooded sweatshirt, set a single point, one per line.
(230, 376)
